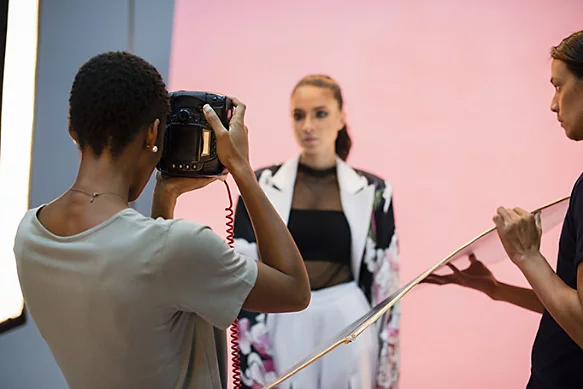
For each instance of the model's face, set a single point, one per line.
(567, 102)
(317, 119)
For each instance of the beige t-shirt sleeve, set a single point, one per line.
(204, 275)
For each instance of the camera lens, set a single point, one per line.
(183, 115)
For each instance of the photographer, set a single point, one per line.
(128, 301)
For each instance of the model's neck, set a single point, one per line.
(318, 161)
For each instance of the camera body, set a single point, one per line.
(190, 146)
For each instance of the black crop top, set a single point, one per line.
(323, 238)
(321, 235)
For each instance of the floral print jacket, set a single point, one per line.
(368, 206)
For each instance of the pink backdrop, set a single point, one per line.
(447, 100)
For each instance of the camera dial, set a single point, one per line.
(185, 115)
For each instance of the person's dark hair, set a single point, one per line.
(570, 51)
(343, 141)
(115, 96)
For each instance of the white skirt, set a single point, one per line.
(294, 336)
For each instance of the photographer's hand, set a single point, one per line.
(177, 186)
(168, 189)
(232, 145)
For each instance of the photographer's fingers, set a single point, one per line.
(214, 121)
(240, 109)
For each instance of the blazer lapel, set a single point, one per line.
(279, 188)
(357, 198)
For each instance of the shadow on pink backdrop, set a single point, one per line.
(449, 101)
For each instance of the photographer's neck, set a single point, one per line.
(104, 174)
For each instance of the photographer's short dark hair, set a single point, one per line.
(115, 96)
(570, 51)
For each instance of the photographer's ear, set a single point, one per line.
(72, 133)
(152, 136)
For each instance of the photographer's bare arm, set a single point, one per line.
(282, 282)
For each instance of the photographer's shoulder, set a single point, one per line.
(182, 236)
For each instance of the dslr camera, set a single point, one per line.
(190, 146)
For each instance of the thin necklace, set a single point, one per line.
(95, 194)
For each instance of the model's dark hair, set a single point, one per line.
(343, 141)
(570, 51)
(115, 96)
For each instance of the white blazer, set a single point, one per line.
(356, 196)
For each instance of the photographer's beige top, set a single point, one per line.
(134, 303)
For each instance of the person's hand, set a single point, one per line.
(232, 145)
(176, 186)
(520, 233)
(476, 276)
